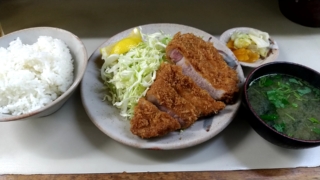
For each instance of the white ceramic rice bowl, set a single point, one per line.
(79, 56)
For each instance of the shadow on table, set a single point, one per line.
(214, 149)
(254, 152)
(66, 134)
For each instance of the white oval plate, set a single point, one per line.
(107, 118)
(224, 38)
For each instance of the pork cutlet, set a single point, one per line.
(148, 121)
(176, 95)
(166, 98)
(205, 105)
(197, 83)
(203, 63)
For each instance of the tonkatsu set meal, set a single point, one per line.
(164, 83)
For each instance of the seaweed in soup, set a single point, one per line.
(287, 104)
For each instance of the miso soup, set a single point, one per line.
(288, 104)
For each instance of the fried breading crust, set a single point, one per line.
(165, 97)
(189, 90)
(207, 61)
(148, 121)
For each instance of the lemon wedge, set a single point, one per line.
(124, 45)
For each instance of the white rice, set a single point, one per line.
(31, 76)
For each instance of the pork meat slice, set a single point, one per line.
(205, 105)
(203, 63)
(168, 100)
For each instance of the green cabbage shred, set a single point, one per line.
(127, 77)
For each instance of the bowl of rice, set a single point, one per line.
(40, 69)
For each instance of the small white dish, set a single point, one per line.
(106, 117)
(273, 54)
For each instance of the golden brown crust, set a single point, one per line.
(149, 122)
(206, 60)
(179, 98)
(189, 90)
(167, 97)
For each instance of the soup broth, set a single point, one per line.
(287, 104)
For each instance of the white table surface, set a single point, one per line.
(68, 142)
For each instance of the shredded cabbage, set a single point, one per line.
(128, 76)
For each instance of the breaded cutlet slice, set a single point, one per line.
(148, 121)
(202, 62)
(189, 90)
(168, 100)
